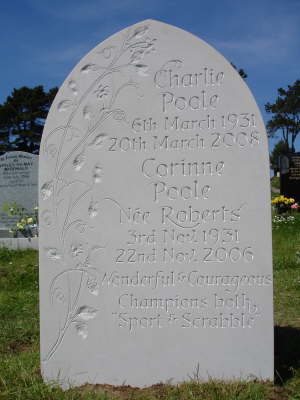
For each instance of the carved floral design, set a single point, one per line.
(97, 104)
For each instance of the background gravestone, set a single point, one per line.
(155, 224)
(290, 175)
(18, 183)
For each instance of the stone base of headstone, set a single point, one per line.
(19, 243)
(4, 233)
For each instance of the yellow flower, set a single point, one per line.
(29, 220)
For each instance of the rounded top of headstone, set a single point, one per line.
(18, 154)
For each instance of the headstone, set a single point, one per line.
(155, 223)
(18, 183)
(290, 175)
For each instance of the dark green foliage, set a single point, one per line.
(286, 115)
(280, 148)
(22, 118)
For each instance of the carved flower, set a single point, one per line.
(93, 286)
(59, 295)
(93, 209)
(97, 173)
(76, 249)
(107, 51)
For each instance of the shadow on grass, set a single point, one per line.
(287, 352)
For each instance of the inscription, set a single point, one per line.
(133, 322)
(167, 78)
(129, 300)
(191, 278)
(203, 101)
(208, 254)
(153, 168)
(134, 216)
(163, 191)
(191, 217)
(179, 237)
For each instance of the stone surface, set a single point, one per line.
(155, 242)
(18, 183)
(19, 243)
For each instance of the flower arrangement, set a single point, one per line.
(27, 224)
(283, 204)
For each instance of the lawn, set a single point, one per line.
(19, 336)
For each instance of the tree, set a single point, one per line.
(280, 148)
(22, 118)
(242, 73)
(286, 115)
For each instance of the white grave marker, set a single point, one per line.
(18, 183)
(155, 242)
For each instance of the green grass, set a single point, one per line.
(19, 337)
(275, 182)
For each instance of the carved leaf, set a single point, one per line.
(64, 105)
(102, 91)
(79, 161)
(73, 87)
(82, 330)
(139, 32)
(173, 64)
(53, 253)
(98, 140)
(142, 69)
(88, 68)
(47, 190)
(86, 313)
(96, 248)
(142, 45)
(88, 112)
(137, 56)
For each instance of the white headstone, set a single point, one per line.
(18, 183)
(155, 227)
